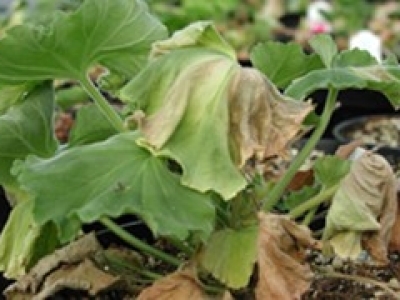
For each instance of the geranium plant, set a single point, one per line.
(182, 155)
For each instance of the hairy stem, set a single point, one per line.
(138, 244)
(276, 193)
(103, 104)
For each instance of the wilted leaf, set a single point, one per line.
(227, 116)
(198, 34)
(230, 255)
(73, 253)
(262, 121)
(364, 208)
(282, 271)
(179, 285)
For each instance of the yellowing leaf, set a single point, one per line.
(230, 256)
(363, 209)
(207, 113)
(281, 244)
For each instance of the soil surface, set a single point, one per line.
(342, 279)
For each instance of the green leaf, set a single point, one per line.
(325, 47)
(112, 178)
(11, 94)
(384, 79)
(27, 128)
(230, 255)
(282, 63)
(90, 126)
(23, 241)
(100, 31)
(354, 58)
(330, 170)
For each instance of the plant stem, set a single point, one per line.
(132, 240)
(313, 202)
(276, 193)
(103, 104)
(309, 216)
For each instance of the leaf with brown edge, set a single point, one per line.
(282, 272)
(180, 285)
(262, 121)
(363, 210)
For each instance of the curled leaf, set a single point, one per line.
(197, 94)
(262, 121)
(281, 246)
(69, 267)
(363, 210)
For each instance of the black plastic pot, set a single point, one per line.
(344, 130)
(352, 103)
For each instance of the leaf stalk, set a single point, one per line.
(276, 193)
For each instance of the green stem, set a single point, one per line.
(276, 193)
(103, 104)
(130, 239)
(309, 216)
(313, 202)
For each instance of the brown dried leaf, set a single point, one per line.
(281, 245)
(262, 121)
(363, 210)
(180, 285)
(301, 179)
(394, 244)
(63, 268)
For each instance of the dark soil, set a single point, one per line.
(344, 279)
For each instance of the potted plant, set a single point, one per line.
(184, 155)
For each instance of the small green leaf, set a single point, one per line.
(112, 178)
(100, 31)
(354, 58)
(325, 47)
(330, 170)
(27, 128)
(99, 129)
(282, 63)
(230, 255)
